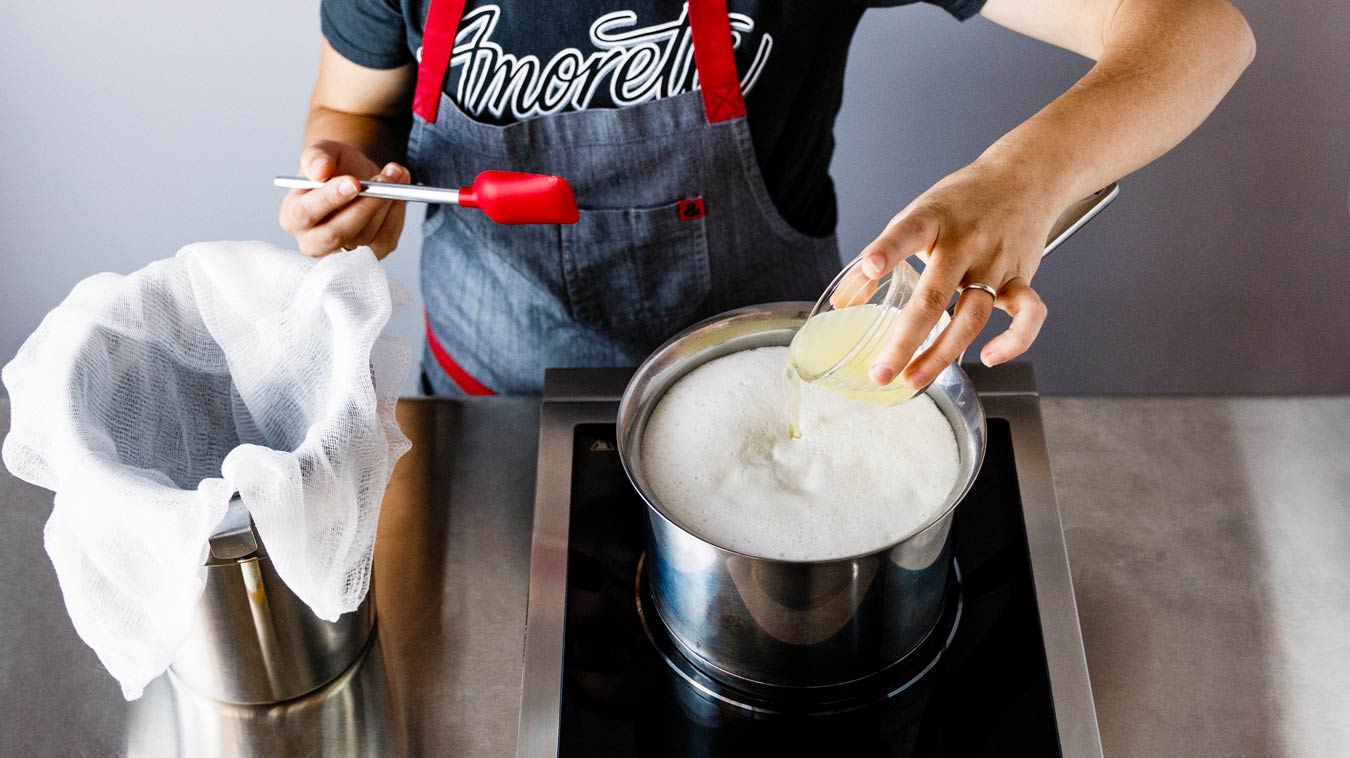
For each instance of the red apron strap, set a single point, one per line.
(452, 369)
(714, 58)
(438, 41)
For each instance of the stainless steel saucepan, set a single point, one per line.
(761, 623)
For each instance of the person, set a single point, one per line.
(697, 139)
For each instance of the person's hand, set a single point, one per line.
(332, 217)
(978, 225)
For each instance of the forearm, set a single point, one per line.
(357, 128)
(369, 109)
(1162, 68)
(383, 139)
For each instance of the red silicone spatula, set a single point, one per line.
(507, 197)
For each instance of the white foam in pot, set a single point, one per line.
(719, 460)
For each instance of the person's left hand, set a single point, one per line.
(980, 224)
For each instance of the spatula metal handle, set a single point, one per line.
(414, 193)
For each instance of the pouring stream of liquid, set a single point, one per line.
(817, 350)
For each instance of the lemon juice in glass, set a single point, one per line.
(855, 316)
(849, 325)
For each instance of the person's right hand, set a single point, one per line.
(332, 217)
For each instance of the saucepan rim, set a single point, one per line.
(784, 311)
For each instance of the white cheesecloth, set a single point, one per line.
(146, 401)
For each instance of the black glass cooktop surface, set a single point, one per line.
(988, 694)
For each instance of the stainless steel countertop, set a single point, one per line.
(1209, 541)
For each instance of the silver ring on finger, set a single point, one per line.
(982, 287)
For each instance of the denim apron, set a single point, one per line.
(676, 225)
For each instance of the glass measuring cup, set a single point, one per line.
(854, 317)
(848, 326)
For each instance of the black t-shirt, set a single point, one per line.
(791, 56)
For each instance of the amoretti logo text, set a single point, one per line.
(635, 64)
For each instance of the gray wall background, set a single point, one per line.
(131, 129)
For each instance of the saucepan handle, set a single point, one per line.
(1078, 214)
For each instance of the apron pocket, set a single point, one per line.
(638, 274)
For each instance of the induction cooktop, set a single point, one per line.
(1002, 673)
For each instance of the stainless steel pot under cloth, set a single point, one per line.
(253, 641)
(757, 622)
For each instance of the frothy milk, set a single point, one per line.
(720, 461)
